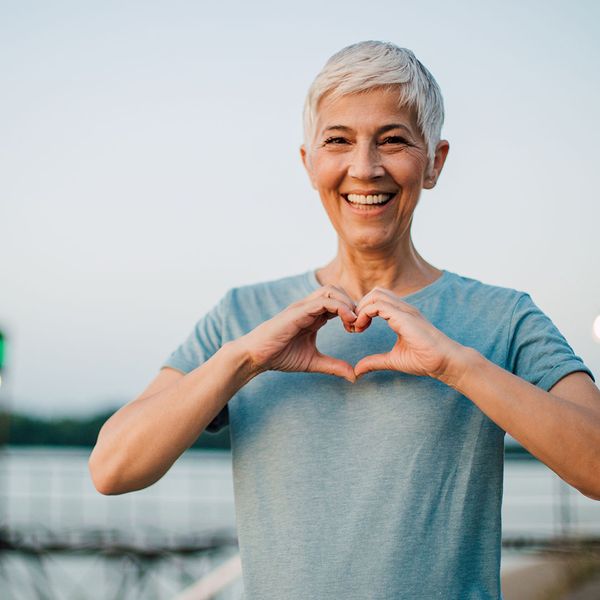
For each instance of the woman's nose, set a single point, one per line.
(365, 162)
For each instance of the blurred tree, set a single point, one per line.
(30, 430)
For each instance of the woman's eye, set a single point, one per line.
(335, 140)
(394, 139)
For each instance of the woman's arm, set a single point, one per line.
(561, 428)
(141, 441)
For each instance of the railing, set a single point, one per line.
(61, 538)
(540, 508)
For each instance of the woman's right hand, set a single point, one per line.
(287, 342)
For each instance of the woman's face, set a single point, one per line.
(369, 163)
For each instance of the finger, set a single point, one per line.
(332, 291)
(332, 366)
(377, 293)
(311, 316)
(380, 294)
(347, 326)
(382, 309)
(345, 297)
(322, 305)
(339, 293)
(375, 362)
(343, 294)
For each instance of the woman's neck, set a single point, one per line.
(402, 271)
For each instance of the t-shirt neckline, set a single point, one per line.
(424, 292)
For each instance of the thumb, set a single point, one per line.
(375, 362)
(332, 366)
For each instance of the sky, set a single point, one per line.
(149, 161)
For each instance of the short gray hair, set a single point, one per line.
(366, 65)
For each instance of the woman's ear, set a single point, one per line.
(439, 158)
(307, 164)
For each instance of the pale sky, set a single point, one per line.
(149, 161)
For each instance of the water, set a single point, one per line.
(539, 504)
(143, 542)
(46, 495)
(50, 489)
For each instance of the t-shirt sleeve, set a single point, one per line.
(537, 351)
(202, 342)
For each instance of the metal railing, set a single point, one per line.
(177, 539)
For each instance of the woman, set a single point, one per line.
(362, 471)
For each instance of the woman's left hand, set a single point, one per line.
(421, 348)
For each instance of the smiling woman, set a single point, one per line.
(369, 465)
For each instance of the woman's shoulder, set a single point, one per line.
(474, 290)
(478, 313)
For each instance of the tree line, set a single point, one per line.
(19, 429)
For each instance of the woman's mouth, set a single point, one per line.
(368, 202)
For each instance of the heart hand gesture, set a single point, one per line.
(287, 342)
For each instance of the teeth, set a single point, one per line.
(370, 199)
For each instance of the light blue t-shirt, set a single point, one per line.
(390, 488)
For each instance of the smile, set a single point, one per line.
(368, 199)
